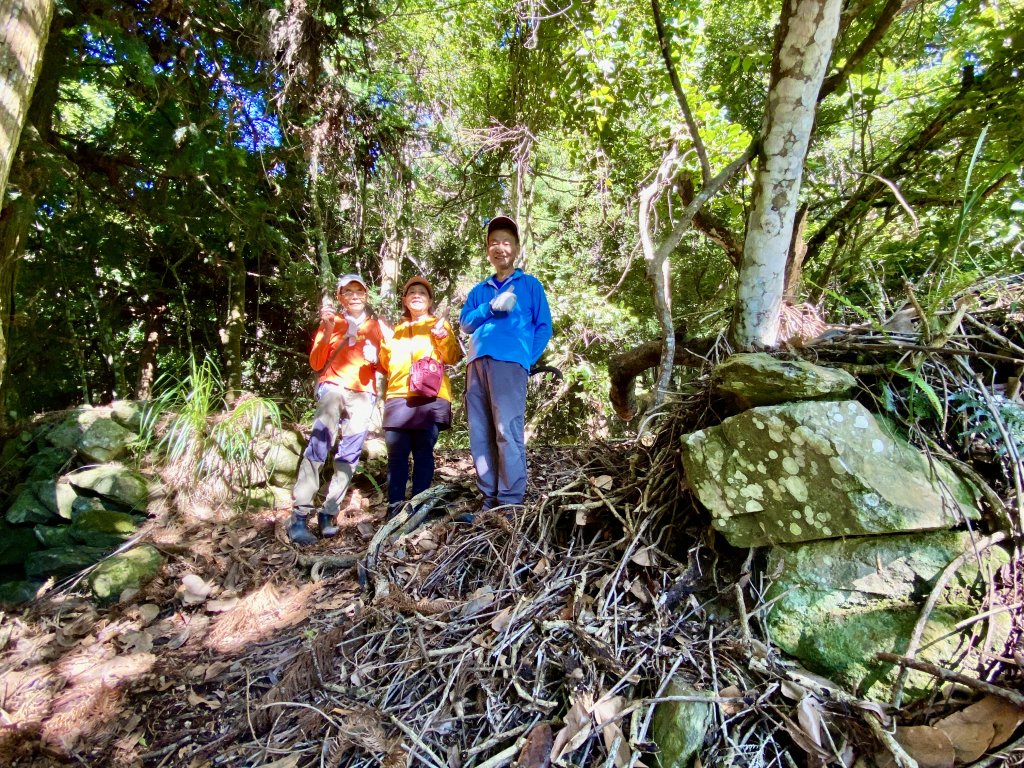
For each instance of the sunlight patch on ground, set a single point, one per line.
(258, 615)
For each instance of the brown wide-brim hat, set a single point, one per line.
(419, 280)
(503, 222)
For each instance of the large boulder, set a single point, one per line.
(759, 379)
(679, 727)
(835, 604)
(127, 570)
(114, 482)
(105, 440)
(818, 470)
(47, 463)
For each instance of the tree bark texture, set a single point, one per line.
(234, 325)
(24, 27)
(806, 34)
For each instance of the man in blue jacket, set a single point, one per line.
(510, 322)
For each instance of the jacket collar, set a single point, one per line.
(492, 280)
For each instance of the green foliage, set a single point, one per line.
(207, 435)
(988, 422)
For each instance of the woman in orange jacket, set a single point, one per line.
(414, 413)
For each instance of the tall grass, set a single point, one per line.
(201, 434)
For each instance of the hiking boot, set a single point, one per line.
(394, 508)
(328, 524)
(298, 533)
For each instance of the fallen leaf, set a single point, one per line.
(577, 727)
(730, 708)
(606, 715)
(644, 557)
(929, 746)
(219, 606)
(809, 714)
(582, 517)
(137, 642)
(478, 601)
(285, 762)
(542, 567)
(499, 622)
(148, 612)
(195, 700)
(982, 726)
(639, 591)
(536, 752)
(602, 482)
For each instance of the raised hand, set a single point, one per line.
(504, 302)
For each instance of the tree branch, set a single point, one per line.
(890, 11)
(684, 105)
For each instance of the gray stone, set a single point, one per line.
(817, 470)
(17, 592)
(127, 570)
(27, 508)
(87, 504)
(15, 544)
(760, 379)
(837, 603)
(679, 727)
(128, 413)
(62, 561)
(114, 482)
(105, 440)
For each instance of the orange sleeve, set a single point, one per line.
(448, 348)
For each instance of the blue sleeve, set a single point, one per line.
(474, 313)
(541, 323)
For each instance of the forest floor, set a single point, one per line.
(549, 632)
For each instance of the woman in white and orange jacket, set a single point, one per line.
(413, 420)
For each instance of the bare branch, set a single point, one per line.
(684, 105)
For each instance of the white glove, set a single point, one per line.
(504, 302)
(370, 353)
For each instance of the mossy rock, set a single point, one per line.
(129, 414)
(757, 378)
(54, 536)
(127, 570)
(69, 431)
(62, 561)
(835, 604)
(679, 727)
(29, 508)
(114, 482)
(47, 463)
(105, 440)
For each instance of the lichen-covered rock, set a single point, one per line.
(62, 561)
(759, 379)
(817, 470)
(16, 543)
(114, 482)
(103, 528)
(837, 603)
(105, 440)
(679, 727)
(127, 570)
(279, 457)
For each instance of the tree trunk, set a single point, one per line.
(150, 347)
(807, 31)
(234, 324)
(24, 27)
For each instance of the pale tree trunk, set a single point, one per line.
(24, 27)
(807, 31)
